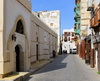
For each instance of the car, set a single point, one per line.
(74, 51)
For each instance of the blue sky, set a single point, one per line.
(66, 8)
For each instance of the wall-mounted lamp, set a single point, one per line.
(14, 37)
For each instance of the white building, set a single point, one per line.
(52, 19)
(24, 38)
(68, 42)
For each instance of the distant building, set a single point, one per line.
(68, 40)
(52, 19)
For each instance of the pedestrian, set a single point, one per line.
(54, 54)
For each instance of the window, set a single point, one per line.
(72, 33)
(19, 27)
(51, 24)
(65, 39)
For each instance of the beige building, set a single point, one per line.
(52, 19)
(85, 20)
(24, 38)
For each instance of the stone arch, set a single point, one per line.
(20, 17)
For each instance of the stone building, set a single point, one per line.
(94, 8)
(52, 19)
(24, 38)
(85, 28)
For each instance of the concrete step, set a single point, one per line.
(18, 76)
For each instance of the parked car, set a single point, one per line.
(73, 50)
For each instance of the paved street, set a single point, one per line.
(66, 68)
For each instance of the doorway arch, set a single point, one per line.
(19, 58)
(19, 27)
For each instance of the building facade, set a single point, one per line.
(85, 27)
(89, 34)
(94, 8)
(77, 19)
(68, 40)
(24, 38)
(52, 19)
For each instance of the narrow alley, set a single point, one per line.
(66, 68)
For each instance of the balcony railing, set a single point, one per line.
(76, 16)
(95, 20)
(90, 5)
(74, 27)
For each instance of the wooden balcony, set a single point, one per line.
(96, 38)
(90, 5)
(95, 20)
(88, 38)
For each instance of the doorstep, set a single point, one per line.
(18, 76)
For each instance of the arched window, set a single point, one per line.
(19, 27)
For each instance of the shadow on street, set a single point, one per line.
(55, 65)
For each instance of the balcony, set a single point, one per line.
(88, 38)
(77, 32)
(74, 9)
(77, 1)
(96, 39)
(75, 27)
(75, 38)
(90, 5)
(95, 20)
(76, 16)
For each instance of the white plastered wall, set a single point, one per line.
(14, 10)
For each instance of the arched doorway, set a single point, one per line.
(19, 58)
(20, 35)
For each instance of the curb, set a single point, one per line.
(33, 71)
(20, 78)
(26, 76)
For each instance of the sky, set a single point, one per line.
(66, 8)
